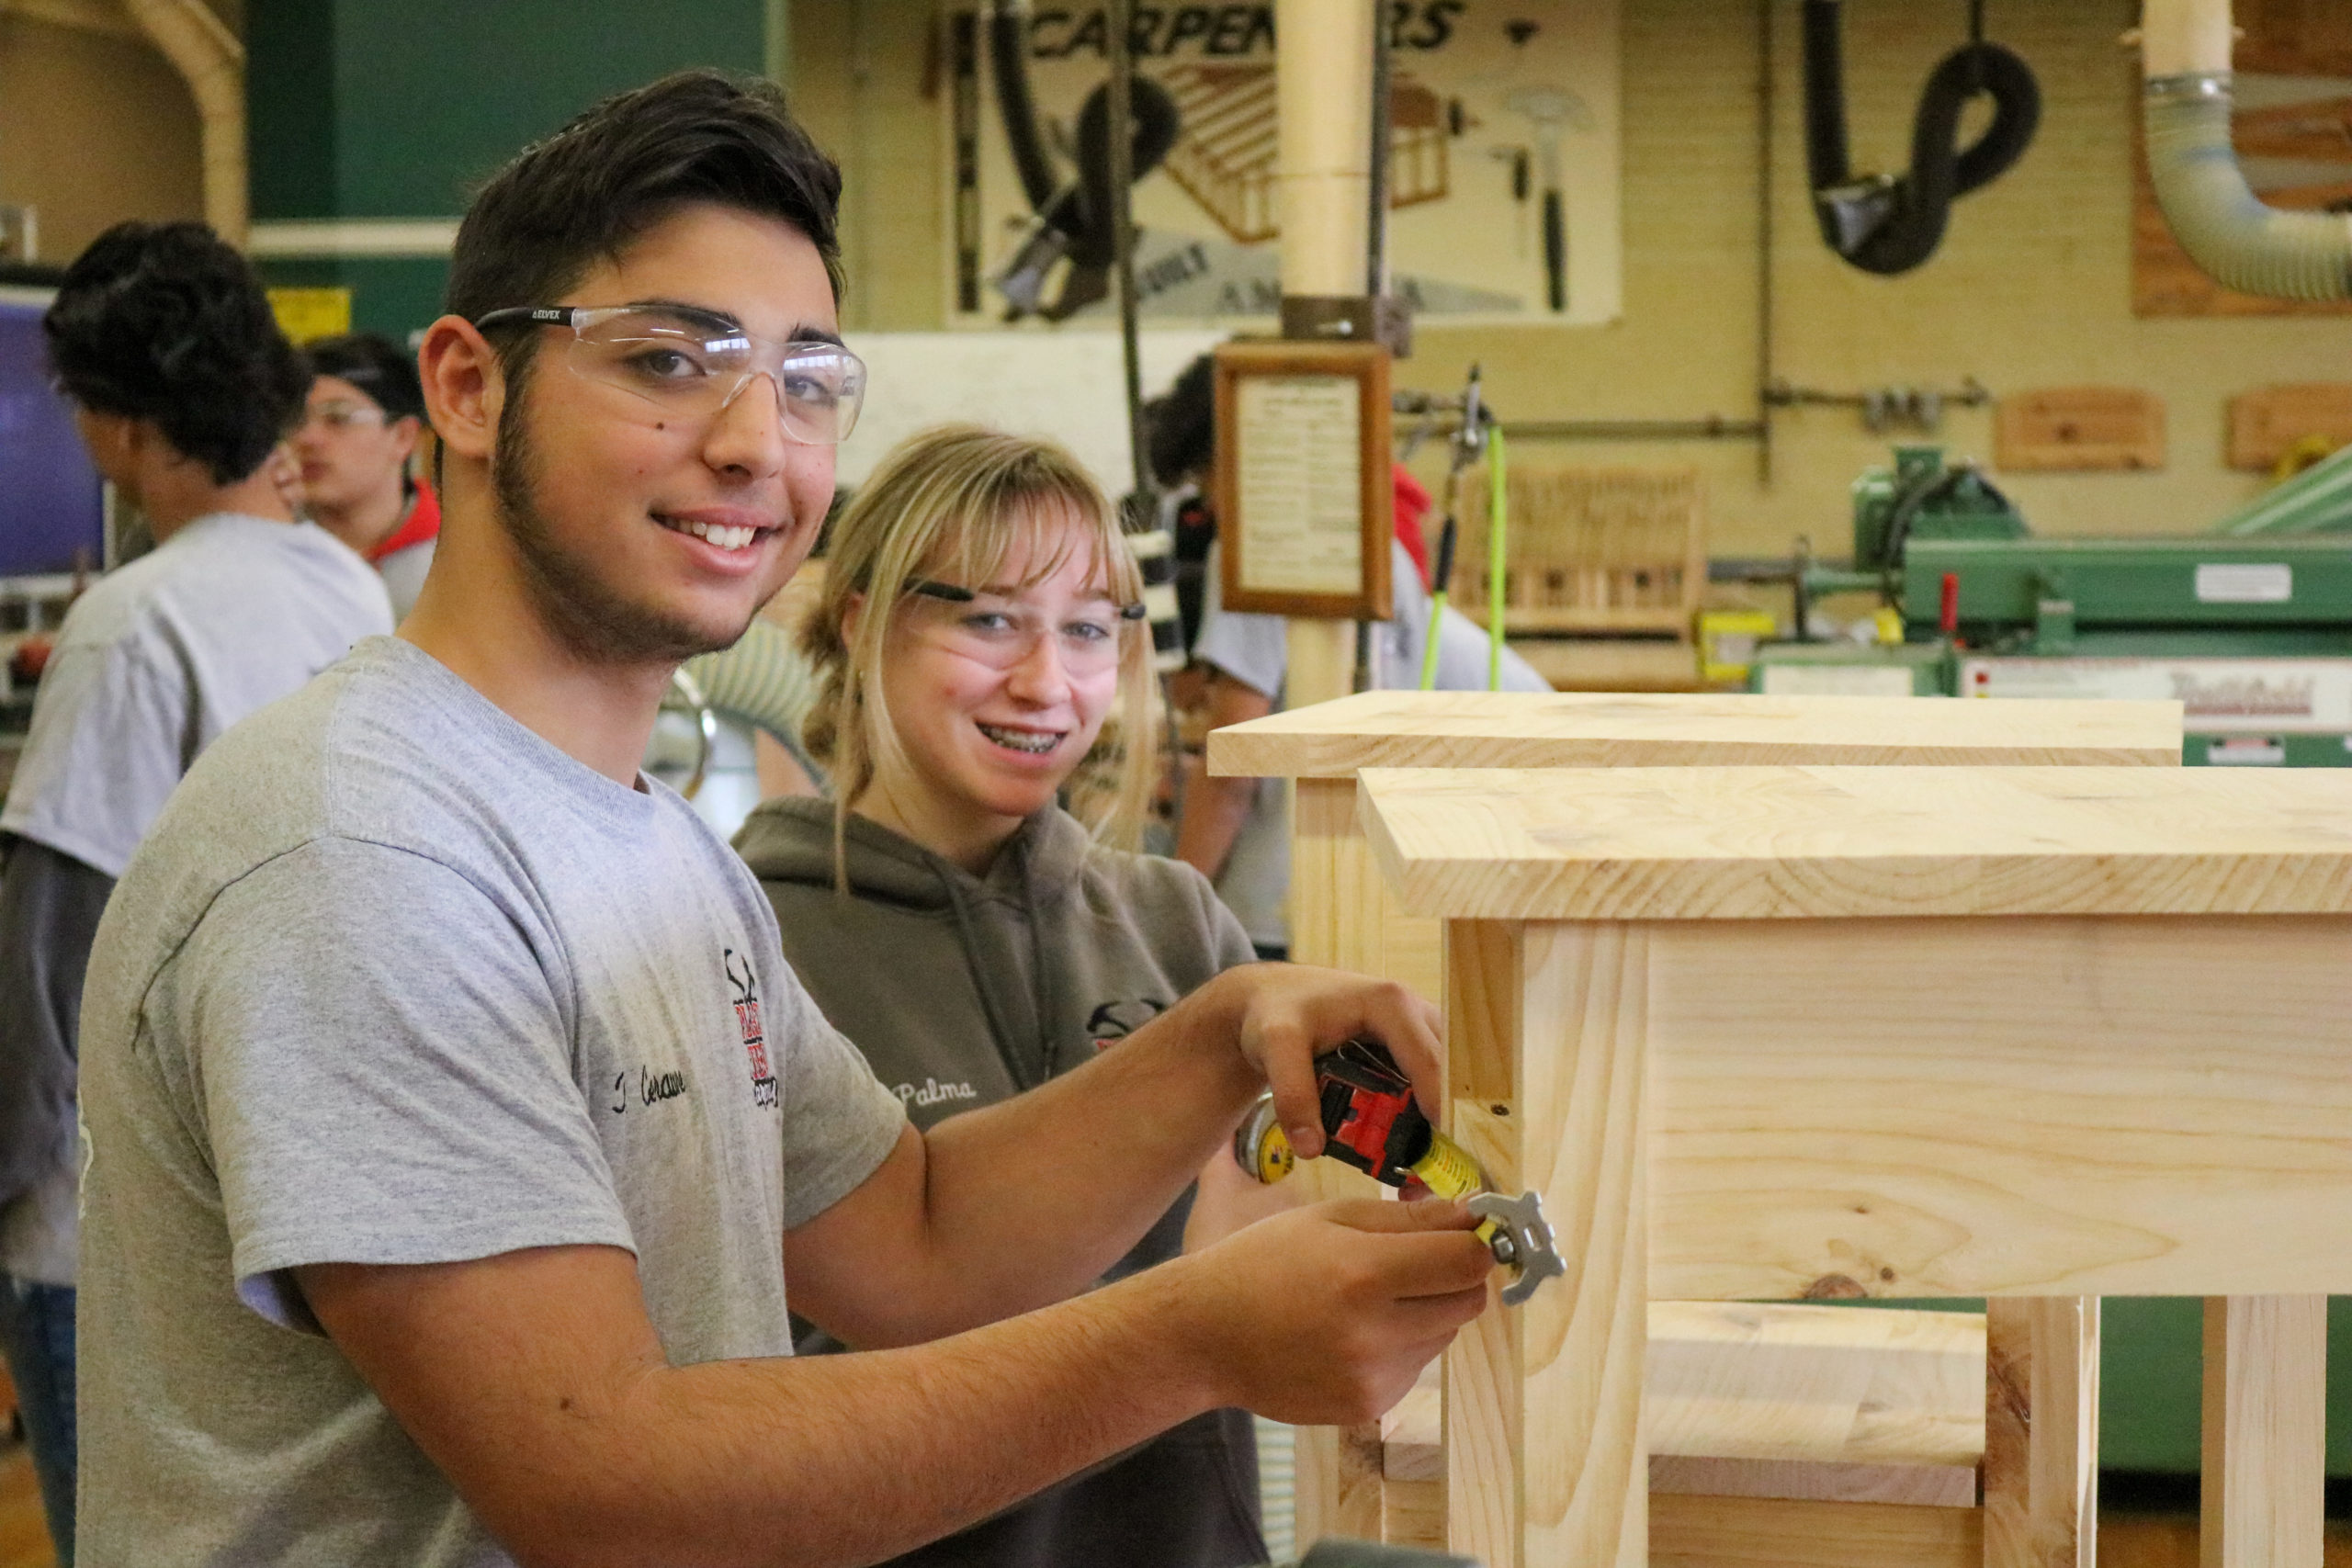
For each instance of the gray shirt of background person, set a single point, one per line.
(153, 663)
(1255, 651)
(393, 981)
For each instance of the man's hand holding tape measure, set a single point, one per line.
(1371, 1291)
(1368, 1104)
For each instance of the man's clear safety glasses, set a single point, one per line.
(692, 364)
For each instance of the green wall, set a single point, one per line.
(398, 111)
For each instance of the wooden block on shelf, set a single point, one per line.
(1758, 1532)
(2061, 428)
(2268, 422)
(1791, 1384)
(1614, 664)
(1916, 1485)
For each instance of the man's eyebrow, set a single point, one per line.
(701, 315)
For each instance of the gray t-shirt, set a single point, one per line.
(394, 980)
(160, 657)
(1255, 651)
(153, 663)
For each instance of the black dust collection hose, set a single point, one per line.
(1891, 223)
(1008, 60)
(1075, 219)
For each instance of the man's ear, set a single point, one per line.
(409, 432)
(464, 387)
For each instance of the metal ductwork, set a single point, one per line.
(2231, 233)
(211, 60)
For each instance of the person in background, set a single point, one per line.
(1236, 830)
(974, 639)
(181, 387)
(357, 441)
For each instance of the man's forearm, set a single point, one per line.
(1030, 1201)
(616, 1456)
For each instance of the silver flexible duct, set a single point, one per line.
(2231, 233)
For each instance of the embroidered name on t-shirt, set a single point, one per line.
(651, 1089)
(746, 986)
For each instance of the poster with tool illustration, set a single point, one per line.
(1502, 162)
(2291, 123)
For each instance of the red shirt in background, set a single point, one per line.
(423, 522)
(1413, 505)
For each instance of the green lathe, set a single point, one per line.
(2249, 624)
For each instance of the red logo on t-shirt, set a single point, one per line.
(746, 986)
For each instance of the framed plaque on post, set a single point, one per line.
(1304, 499)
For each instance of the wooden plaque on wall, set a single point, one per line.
(2061, 428)
(1305, 503)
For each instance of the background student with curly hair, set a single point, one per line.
(182, 386)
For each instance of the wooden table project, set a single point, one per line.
(1780, 1032)
(1343, 915)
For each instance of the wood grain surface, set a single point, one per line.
(1784, 843)
(1581, 730)
(1584, 1143)
(2264, 1431)
(1788, 1382)
(1758, 1532)
(1968, 1107)
(2041, 1470)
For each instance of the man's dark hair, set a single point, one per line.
(584, 193)
(164, 322)
(374, 365)
(1183, 424)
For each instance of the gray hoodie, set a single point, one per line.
(962, 991)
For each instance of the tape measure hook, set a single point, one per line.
(1523, 1240)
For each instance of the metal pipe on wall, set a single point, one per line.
(2231, 233)
(1323, 70)
(209, 58)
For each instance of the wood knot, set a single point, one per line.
(1835, 1288)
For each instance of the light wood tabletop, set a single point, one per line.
(1561, 729)
(1766, 843)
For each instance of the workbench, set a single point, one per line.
(2034, 1035)
(1343, 914)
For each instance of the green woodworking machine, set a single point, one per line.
(2249, 624)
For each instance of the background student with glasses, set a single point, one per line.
(978, 643)
(356, 445)
(455, 1122)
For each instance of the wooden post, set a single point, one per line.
(1323, 94)
(2266, 1431)
(2042, 1432)
(1482, 1430)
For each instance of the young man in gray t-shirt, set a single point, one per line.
(456, 1127)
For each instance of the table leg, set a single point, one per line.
(2042, 1432)
(2266, 1431)
(1584, 1002)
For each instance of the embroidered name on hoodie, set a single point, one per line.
(934, 1092)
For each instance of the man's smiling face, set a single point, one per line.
(645, 535)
